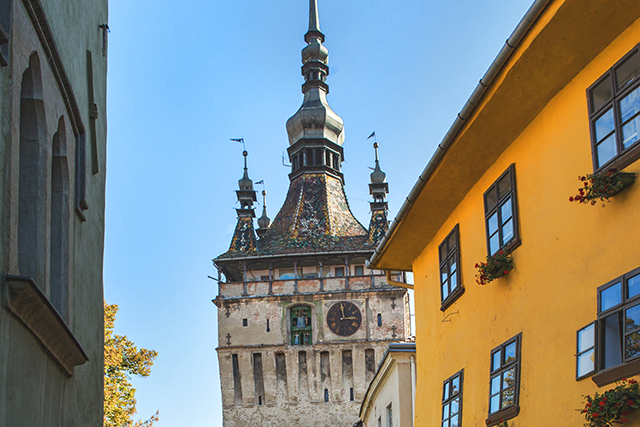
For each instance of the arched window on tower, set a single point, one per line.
(32, 190)
(301, 325)
(60, 212)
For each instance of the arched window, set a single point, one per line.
(32, 178)
(60, 212)
(301, 325)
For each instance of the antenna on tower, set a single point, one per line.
(283, 162)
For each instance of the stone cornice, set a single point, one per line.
(26, 301)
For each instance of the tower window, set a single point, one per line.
(351, 394)
(326, 394)
(379, 319)
(245, 323)
(301, 325)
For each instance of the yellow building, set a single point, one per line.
(561, 100)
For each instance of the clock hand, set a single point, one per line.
(342, 309)
(349, 318)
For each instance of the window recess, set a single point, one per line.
(614, 114)
(452, 401)
(504, 383)
(450, 283)
(501, 214)
(616, 333)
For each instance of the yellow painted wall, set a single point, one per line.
(567, 251)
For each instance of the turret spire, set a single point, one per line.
(244, 237)
(379, 190)
(264, 220)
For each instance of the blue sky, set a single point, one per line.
(184, 77)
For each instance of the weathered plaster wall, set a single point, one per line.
(33, 389)
(295, 376)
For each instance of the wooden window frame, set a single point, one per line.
(512, 410)
(580, 353)
(457, 291)
(624, 157)
(628, 366)
(514, 242)
(446, 400)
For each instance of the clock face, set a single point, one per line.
(344, 318)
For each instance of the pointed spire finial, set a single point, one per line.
(264, 221)
(377, 176)
(314, 20)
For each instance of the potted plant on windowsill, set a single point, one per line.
(613, 406)
(494, 268)
(603, 186)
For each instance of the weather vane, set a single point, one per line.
(241, 141)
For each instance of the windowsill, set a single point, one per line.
(611, 375)
(24, 299)
(511, 246)
(504, 415)
(623, 161)
(452, 298)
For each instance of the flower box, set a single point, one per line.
(495, 267)
(615, 406)
(602, 186)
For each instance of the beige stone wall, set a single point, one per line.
(295, 377)
(393, 388)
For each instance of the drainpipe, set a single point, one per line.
(394, 283)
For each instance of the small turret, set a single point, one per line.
(264, 220)
(378, 189)
(244, 238)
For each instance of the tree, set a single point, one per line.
(121, 360)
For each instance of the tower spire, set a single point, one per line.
(315, 122)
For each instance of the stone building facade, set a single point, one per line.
(52, 180)
(302, 322)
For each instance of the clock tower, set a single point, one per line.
(302, 322)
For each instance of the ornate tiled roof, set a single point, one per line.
(244, 239)
(315, 217)
(378, 226)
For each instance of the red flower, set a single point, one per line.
(588, 405)
(595, 415)
(501, 253)
(506, 272)
(630, 402)
(571, 199)
(632, 381)
(602, 403)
